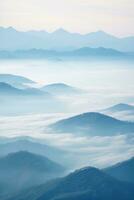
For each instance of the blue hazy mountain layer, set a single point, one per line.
(93, 123)
(82, 53)
(120, 108)
(11, 39)
(61, 89)
(14, 145)
(16, 81)
(84, 184)
(123, 171)
(18, 101)
(21, 170)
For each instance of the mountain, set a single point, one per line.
(122, 107)
(61, 89)
(120, 111)
(35, 147)
(14, 101)
(123, 171)
(93, 124)
(11, 39)
(99, 51)
(84, 184)
(6, 89)
(23, 169)
(16, 81)
(81, 53)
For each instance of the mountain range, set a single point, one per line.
(80, 53)
(11, 39)
(18, 101)
(6, 89)
(23, 169)
(84, 184)
(26, 97)
(93, 123)
(14, 145)
(17, 81)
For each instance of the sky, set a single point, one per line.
(113, 16)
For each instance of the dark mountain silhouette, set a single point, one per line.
(61, 89)
(93, 124)
(87, 183)
(123, 171)
(11, 39)
(16, 81)
(23, 169)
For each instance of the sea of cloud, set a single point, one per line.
(96, 150)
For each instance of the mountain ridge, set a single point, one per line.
(11, 38)
(83, 52)
(22, 170)
(123, 171)
(120, 107)
(7, 89)
(61, 89)
(11, 28)
(16, 80)
(86, 183)
(93, 123)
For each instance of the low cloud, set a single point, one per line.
(95, 151)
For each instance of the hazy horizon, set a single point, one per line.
(114, 17)
(62, 29)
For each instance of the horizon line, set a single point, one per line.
(64, 30)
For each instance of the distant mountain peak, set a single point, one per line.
(10, 28)
(95, 115)
(59, 85)
(26, 159)
(102, 34)
(60, 89)
(120, 107)
(123, 105)
(99, 32)
(60, 31)
(16, 80)
(93, 123)
(61, 39)
(86, 169)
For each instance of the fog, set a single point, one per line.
(84, 150)
(104, 83)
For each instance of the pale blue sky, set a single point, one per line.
(112, 16)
